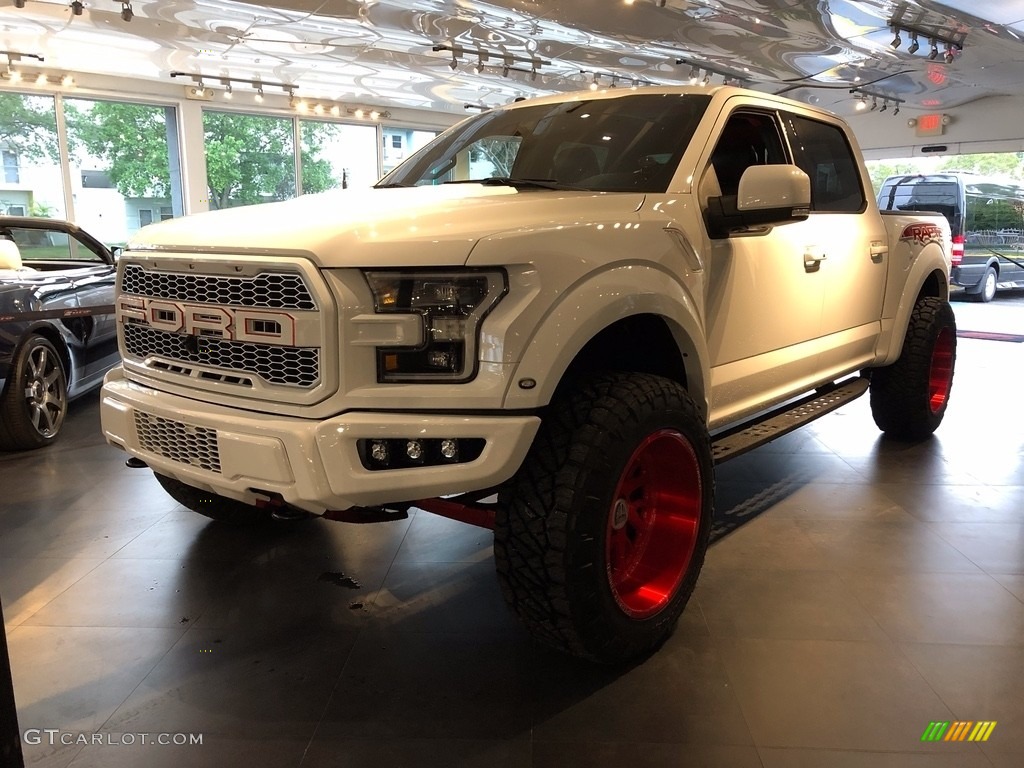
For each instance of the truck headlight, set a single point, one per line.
(452, 304)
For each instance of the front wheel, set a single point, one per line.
(909, 397)
(36, 399)
(601, 535)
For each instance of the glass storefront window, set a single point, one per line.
(124, 166)
(335, 155)
(32, 184)
(400, 143)
(249, 158)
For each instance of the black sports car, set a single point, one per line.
(57, 332)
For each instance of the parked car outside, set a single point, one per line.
(57, 330)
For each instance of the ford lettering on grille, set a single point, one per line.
(252, 335)
(252, 325)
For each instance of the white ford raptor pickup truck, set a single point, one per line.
(552, 321)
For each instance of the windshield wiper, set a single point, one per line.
(508, 181)
(392, 185)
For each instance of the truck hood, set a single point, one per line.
(423, 226)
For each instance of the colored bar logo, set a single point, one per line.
(959, 730)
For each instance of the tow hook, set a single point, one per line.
(134, 462)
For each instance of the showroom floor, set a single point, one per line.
(857, 591)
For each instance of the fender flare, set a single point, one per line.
(930, 262)
(621, 291)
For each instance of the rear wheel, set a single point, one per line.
(988, 285)
(36, 399)
(601, 536)
(212, 505)
(909, 397)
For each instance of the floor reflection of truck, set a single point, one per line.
(986, 217)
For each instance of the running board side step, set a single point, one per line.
(767, 427)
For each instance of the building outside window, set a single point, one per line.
(32, 182)
(124, 161)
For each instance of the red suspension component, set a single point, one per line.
(480, 515)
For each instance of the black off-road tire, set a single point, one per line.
(909, 397)
(35, 399)
(599, 538)
(211, 505)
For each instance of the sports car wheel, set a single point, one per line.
(36, 398)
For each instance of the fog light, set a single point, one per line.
(414, 450)
(449, 449)
(379, 451)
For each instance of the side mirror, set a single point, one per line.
(116, 252)
(768, 195)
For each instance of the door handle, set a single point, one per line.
(812, 261)
(878, 251)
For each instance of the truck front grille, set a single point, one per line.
(230, 326)
(294, 366)
(184, 443)
(271, 290)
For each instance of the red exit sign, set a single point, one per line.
(930, 125)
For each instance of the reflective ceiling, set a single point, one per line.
(443, 55)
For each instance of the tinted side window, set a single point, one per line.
(749, 138)
(822, 152)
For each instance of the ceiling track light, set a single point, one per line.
(19, 3)
(483, 55)
(952, 38)
(612, 77)
(127, 14)
(77, 7)
(729, 77)
(201, 90)
(863, 104)
(13, 60)
(337, 109)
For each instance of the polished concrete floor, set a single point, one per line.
(857, 590)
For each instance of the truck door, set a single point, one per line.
(848, 235)
(764, 299)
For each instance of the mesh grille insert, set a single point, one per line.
(196, 446)
(273, 290)
(294, 366)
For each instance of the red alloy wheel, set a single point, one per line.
(940, 375)
(653, 523)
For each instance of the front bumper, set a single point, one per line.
(312, 465)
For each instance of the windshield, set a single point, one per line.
(631, 143)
